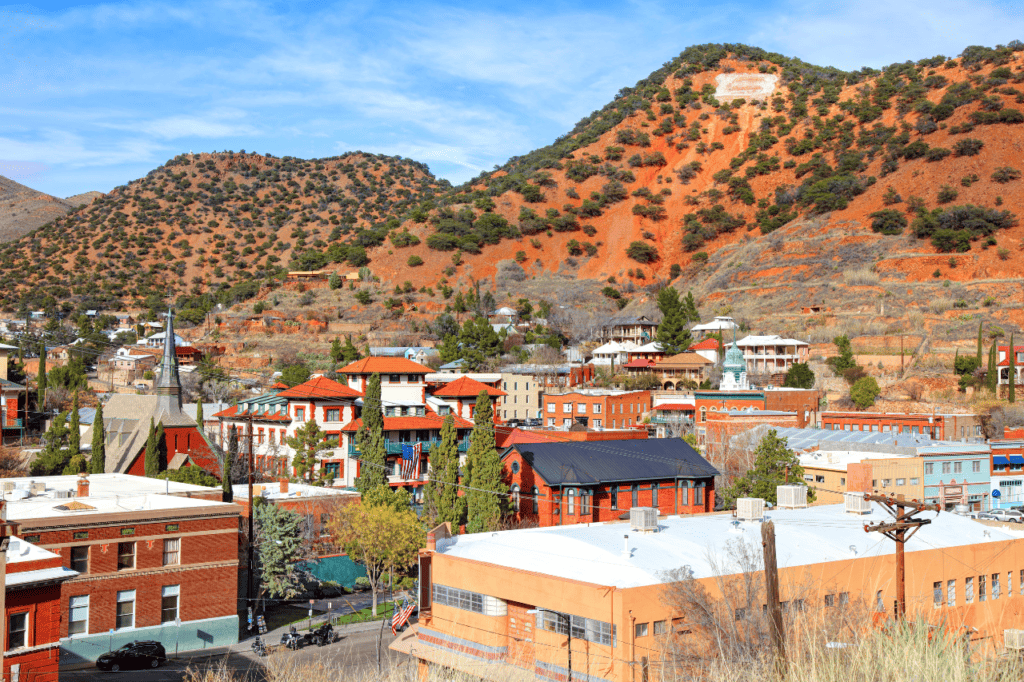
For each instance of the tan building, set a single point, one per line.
(831, 473)
(523, 397)
(682, 367)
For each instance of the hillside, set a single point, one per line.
(762, 183)
(23, 209)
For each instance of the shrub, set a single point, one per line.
(642, 252)
(675, 271)
(574, 248)
(968, 147)
(414, 261)
(937, 154)
(891, 197)
(864, 392)
(363, 296)
(946, 194)
(520, 256)
(700, 257)
(1005, 174)
(611, 292)
(888, 221)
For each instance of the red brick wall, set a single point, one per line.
(36, 666)
(616, 411)
(804, 403)
(721, 426)
(43, 606)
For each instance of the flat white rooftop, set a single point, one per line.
(272, 491)
(100, 485)
(839, 460)
(49, 508)
(594, 553)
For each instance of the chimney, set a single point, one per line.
(83, 485)
(284, 486)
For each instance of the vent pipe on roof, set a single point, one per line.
(625, 546)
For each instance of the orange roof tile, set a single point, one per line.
(265, 417)
(429, 421)
(706, 344)
(377, 364)
(464, 386)
(505, 436)
(320, 388)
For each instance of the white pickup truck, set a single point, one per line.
(1003, 515)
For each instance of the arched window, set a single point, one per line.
(570, 502)
(536, 500)
(515, 498)
(703, 414)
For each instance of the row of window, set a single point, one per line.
(124, 614)
(989, 586)
(458, 599)
(126, 553)
(586, 498)
(595, 423)
(951, 467)
(589, 629)
(515, 386)
(404, 411)
(581, 408)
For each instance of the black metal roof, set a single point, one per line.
(613, 461)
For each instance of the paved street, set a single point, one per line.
(356, 650)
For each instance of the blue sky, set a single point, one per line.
(94, 95)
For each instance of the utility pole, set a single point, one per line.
(771, 581)
(897, 530)
(252, 537)
(568, 640)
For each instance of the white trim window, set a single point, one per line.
(169, 603)
(17, 630)
(78, 615)
(125, 615)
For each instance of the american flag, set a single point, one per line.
(402, 614)
(410, 460)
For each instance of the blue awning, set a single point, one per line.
(1000, 461)
(1016, 459)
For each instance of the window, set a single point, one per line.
(914, 481)
(951, 593)
(515, 467)
(597, 423)
(830, 600)
(844, 598)
(968, 590)
(169, 603)
(929, 469)
(536, 500)
(582, 628)
(394, 378)
(946, 467)
(581, 408)
(125, 617)
(640, 630)
(660, 627)
(300, 414)
(125, 555)
(886, 482)
(332, 414)
(958, 467)
(901, 481)
(570, 502)
(515, 498)
(17, 631)
(1009, 583)
(566, 408)
(615, 499)
(80, 559)
(551, 421)
(982, 596)
(654, 495)
(636, 495)
(172, 551)
(879, 606)
(842, 481)
(819, 479)
(551, 407)
(78, 615)
(597, 408)
(995, 586)
(741, 613)
(459, 599)
(976, 466)
(937, 593)
(698, 495)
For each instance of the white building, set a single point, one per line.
(719, 324)
(772, 353)
(612, 353)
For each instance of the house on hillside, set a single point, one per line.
(637, 330)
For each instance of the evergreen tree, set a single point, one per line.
(41, 378)
(772, 460)
(230, 455)
(74, 434)
(479, 343)
(844, 361)
(673, 335)
(992, 377)
(336, 351)
(349, 353)
(308, 442)
(800, 375)
(161, 448)
(1012, 391)
(690, 308)
(486, 492)
(441, 500)
(152, 456)
(449, 349)
(98, 461)
(54, 456)
(370, 439)
(979, 344)
(199, 415)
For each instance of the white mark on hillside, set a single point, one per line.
(750, 86)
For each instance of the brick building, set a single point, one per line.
(719, 427)
(460, 395)
(12, 420)
(32, 611)
(803, 403)
(566, 483)
(597, 408)
(962, 427)
(144, 559)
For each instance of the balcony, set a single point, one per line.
(421, 478)
(13, 423)
(392, 447)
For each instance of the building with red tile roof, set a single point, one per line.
(462, 393)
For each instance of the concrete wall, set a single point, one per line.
(191, 636)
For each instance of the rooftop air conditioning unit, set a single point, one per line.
(8, 486)
(1013, 639)
(856, 504)
(63, 494)
(750, 509)
(791, 496)
(36, 487)
(644, 519)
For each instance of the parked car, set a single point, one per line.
(985, 516)
(133, 656)
(1007, 515)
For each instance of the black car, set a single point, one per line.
(133, 656)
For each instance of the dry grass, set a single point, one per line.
(861, 277)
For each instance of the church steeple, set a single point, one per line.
(168, 387)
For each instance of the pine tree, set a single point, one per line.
(41, 378)
(979, 344)
(308, 442)
(349, 353)
(1012, 391)
(152, 455)
(74, 434)
(442, 502)
(480, 343)
(486, 492)
(98, 461)
(673, 335)
(337, 354)
(199, 415)
(370, 439)
(690, 308)
(449, 349)
(229, 460)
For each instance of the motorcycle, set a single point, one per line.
(259, 646)
(323, 635)
(293, 640)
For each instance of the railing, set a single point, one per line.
(392, 447)
(13, 423)
(669, 420)
(418, 478)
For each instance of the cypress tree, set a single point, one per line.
(98, 462)
(74, 435)
(486, 492)
(992, 376)
(336, 351)
(152, 455)
(1012, 391)
(370, 439)
(441, 496)
(673, 335)
(41, 378)
(349, 353)
(979, 344)
(199, 415)
(161, 449)
(229, 460)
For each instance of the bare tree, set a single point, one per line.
(546, 355)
